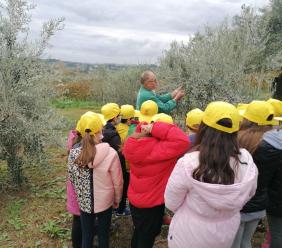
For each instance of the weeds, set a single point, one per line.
(53, 229)
(4, 236)
(17, 223)
(14, 210)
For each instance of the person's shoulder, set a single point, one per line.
(190, 160)
(144, 91)
(74, 152)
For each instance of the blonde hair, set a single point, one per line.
(145, 76)
(88, 150)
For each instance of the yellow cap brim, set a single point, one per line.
(146, 118)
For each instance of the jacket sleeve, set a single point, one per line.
(117, 179)
(165, 97)
(166, 107)
(176, 188)
(71, 136)
(172, 142)
(268, 160)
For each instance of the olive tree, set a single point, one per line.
(26, 120)
(226, 62)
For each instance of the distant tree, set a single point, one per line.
(26, 120)
(273, 35)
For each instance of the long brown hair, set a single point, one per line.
(250, 135)
(216, 148)
(88, 150)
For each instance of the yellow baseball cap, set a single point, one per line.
(102, 119)
(194, 118)
(260, 112)
(89, 121)
(217, 111)
(277, 107)
(100, 116)
(127, 111)
(162, 118)
(148, 110)
(78, 127)
(110, 110)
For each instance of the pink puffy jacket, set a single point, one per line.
(72, 204)
(207, 215)
(107, 177)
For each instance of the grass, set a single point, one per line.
(35, 215)
(74, 103)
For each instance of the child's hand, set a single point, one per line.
(146, 129)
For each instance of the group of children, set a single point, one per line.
(219, 178)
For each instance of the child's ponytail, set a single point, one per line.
(88, 150)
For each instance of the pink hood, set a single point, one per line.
(207, 215)
(225, 197)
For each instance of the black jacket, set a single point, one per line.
(112, 137)
(269, 188)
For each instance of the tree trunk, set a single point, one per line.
(15, 169)
(277, 87)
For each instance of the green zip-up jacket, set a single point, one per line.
(165, 103)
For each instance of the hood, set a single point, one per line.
(274, 138)
(102, 151)
(227, 197)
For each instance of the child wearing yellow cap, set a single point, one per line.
(112, 115)
(209, 186)
(193, 121)
(75, 138)
(277, 107)
(258, 119)
(162, 118)
(147, 111)
(127, 113)
(94, 171)
(273, 141)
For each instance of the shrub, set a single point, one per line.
(228, 62)
(26, 120)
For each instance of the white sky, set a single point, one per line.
(132, 31)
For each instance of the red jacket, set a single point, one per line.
(152, 160)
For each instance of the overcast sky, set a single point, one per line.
(128, 31)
